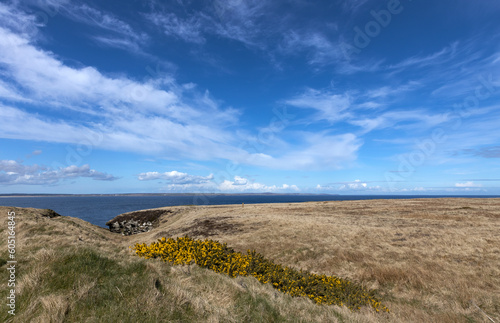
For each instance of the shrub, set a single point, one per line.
(218, 257)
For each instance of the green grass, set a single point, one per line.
(81, 284)
(116, 292)
(256, 308)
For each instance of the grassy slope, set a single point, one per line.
(428, 258)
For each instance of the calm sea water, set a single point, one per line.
(100, 209)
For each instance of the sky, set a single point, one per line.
(339, 97)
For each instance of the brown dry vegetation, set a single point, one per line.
(431, 260)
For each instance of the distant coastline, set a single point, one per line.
(383, 196)
(99, 208)
(162, 194)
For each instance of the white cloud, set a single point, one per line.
(364, 110)
(240, 20)
(235, 20)
(315, 151)
(241, 184)
(467, 185)
(240, 181)
(386, 91)
(369, 105)
(485, 152)
(34, 153)
(356, 185)
(322, 151)
(189, 30)
(47, 79)
(157, 116)
(330, 106)
(182, 182)
(322, 50)
(119, 33)
(13, 172)
(121, 43)
(35, 127)
(353, 6)
(94, 17)
(440, 57)
(18, 21)
(135, 116)
(175, 177)
(420, 119)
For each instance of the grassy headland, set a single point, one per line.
(430, 260)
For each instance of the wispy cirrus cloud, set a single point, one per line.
(189, 30)
(353, 6)
(440, 57)
(157, 116)
(239, 21)
(97, 18)
(485, 152)
(410, 119)
(319, 49)
(120, 108)
(366, 111)
(48, 79)
(111, 30)
(254, 24)
(18, 21)
(467, 66)
(387, 91)
(317, 151)
(330, 106)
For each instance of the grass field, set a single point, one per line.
(430, 260)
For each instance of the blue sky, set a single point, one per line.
(346, 97)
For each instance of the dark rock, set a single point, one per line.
(48, 213)
(136, 222)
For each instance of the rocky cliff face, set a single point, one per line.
(130, 227)
(136, 222)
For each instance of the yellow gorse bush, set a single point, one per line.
(220, 258)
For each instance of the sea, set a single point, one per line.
(100, 209)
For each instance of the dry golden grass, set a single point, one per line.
(430, 257)
(431, 260)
